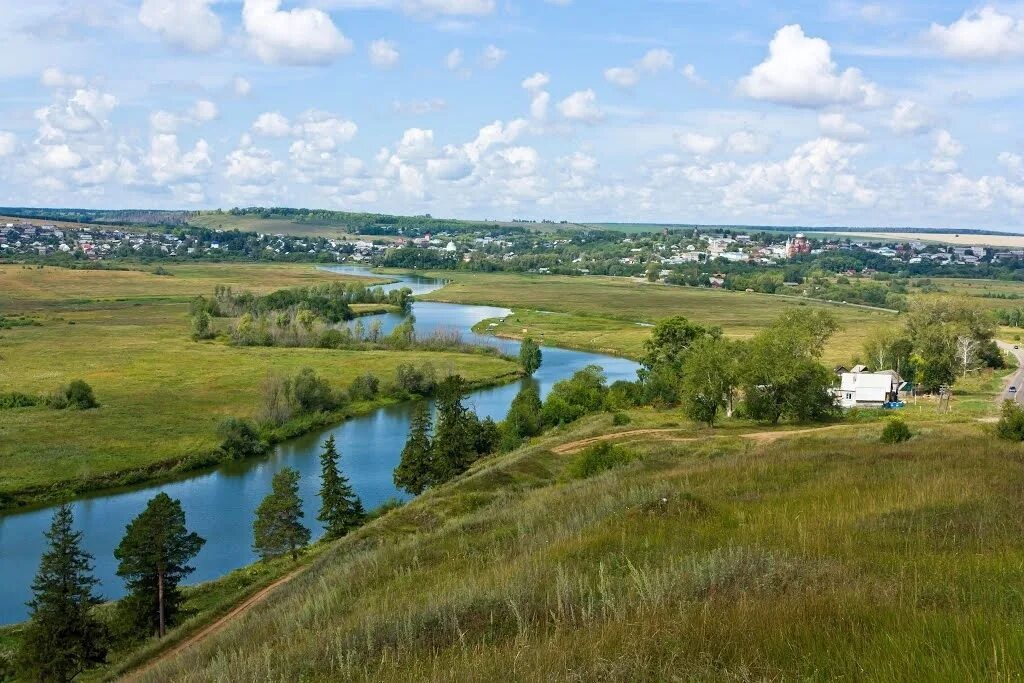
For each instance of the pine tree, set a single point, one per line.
(454, 445)
(341, 511)
(63, 637)
(154, 556)
(278, 527)
(413, 473)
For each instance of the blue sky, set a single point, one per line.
(811, 113)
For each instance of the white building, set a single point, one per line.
(868, 388)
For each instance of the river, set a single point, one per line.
(220, 503)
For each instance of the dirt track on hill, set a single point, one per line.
(666, 435)
(215, 627)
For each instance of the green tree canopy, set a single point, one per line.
(63, 638)
(341, 511)
(415, 470)
(278, 528)
(154, 556)
(530, 356)
(710, 375)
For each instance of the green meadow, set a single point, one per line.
(161, 394)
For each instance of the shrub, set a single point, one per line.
(77, 395)
(16, 399)
(599, 458)
(895, 431)
(619, 419)
(240, 439)
(364, 388)
(1011, 422)
(312, 393)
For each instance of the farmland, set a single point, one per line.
(162, 395)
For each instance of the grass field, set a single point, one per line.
(601, 313)
(964, 240)
(819, 556)
(162, 395)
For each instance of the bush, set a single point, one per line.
(599, 458)
(312, 393)
(895, 431)
(364, 388)
(77, 395)
(16, 399)
(619, 419)
(240, 439)
(1011, 422)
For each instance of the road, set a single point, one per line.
(1017, 380)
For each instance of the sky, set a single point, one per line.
(835, 112)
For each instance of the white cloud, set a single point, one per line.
(910, 118)
(453, 60)
(745, 142)
(419, 107)
(59, 157)
(252, 166)
(203, 111)
(167, 163)
(537, 81)
(494, 134)
(622, 76)
(836, 125)
(581, 106)
(416, 143)
(323, 130)
(696, 143)
(492, 56)
(984, 33)
(690, 73)
(163, 121)
(8, 143)
(272, 124)
(241, 86)
(1014, 163)
(302, 36)
(85, 110)
(539, 105)
(383, 54)
(189, 24)
(449, 7)
(799, 71)
(657, 60)
(55, 78)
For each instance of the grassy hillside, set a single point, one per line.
(822, 555)
(162, 395)
(601, 313)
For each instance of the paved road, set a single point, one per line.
(1017, 380)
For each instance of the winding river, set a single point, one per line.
(220, 503)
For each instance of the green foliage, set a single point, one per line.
(1011, 422)
(454, 443)
(934, 325)
(16, 399)
(665, 350)
(530, 356)
(341, 511)
(240, 439)
(620, 419)
(895, 431)
(415, 470)
(571, 399)
(364, 388)
(710, 374)
(77, 395)
(524, 417)
(312, 393)
(63, 637)
(599, 458)
(201, 328)
(153, 559)
(415, 381)
(278, 529)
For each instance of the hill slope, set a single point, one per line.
(820, 555)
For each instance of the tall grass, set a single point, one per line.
(818, 557)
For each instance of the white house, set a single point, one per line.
(868, 388)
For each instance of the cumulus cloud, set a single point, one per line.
(622, 76)
(252, 166)
(799, 72)
(696, 143)
(272, 124)
(188, 24)
(302, 36)
(494, 134)
(652, 62)
(241, 86)
(492, 56)
(984, 33)
(581, 106)
(745, 142)
(689, 72)
(204, 110)
(8, 143)
(449, 7)
(836, 125)
(910, 118)
(55, 78)
(454, 59)
(167, 162)
(383, 54)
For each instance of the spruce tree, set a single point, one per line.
(63, 638)
(278, 527)
(154, 556)
(341, 511)
(413, 473)
(454, 446)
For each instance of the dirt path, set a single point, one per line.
(215, 627)
(666, 435)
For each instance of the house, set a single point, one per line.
(858, 389)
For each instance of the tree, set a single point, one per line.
(890, 351)
(240, 439)
(278, 527)
(154, 556)
(413, 473)
(571, 399)
(530, 356)
(781, 373)
(341, 511)
(664, 352)
(63, 637)
(1011, 422)
(710, 375)
(524, 417)
(201, 326)
(967, 353)
(454, 444)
